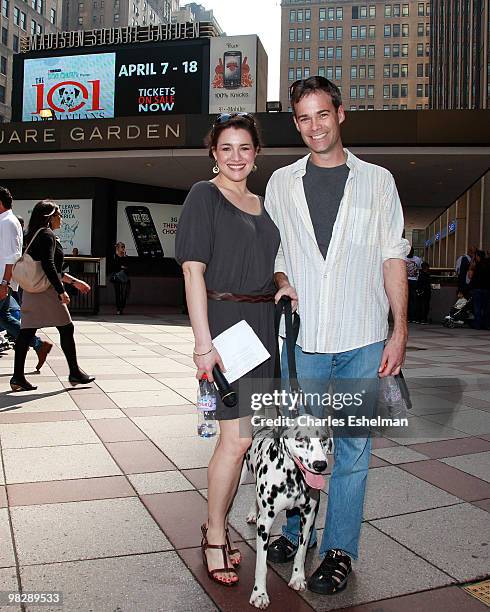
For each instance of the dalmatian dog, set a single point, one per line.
(289, 473)
(69, 96)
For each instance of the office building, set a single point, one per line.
(377, 52)
(20, 19)
(91, 14)
(460, 52)
(197, 13)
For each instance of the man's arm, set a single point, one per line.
(396, 287)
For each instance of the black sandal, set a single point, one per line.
(229, 549)
(226, 569)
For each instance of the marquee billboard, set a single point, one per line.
(119, 81)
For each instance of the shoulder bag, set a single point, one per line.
(29, 273)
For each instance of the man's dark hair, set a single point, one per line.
(305, 87)
(5, 197)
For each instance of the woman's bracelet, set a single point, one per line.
(202, 354)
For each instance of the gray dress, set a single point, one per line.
(239, 250)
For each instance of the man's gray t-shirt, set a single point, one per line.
(324, 189)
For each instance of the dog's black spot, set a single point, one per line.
(271, 514)
(264, 469)
(264, 504)
(262, 488)
(255, 588)
(265, 537)
(266, 546)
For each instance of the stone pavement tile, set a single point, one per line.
(432, 404)
(447, 599)
(160, 410)
(31, 435)
(7, 558)
(84, 530)
(159, 365)
(130, 350)
(449, 479)
(485, 437)
(198, 477)
(421, 430)
(58, 463)
(398, 454)
(160, 482)
(93, 401)
(140, 399)
(139, 457)
(106, 413)
(40, 417)
(452, 448)
(189, 382)
(235, 599)
(58, 491)
(477, 464)
(470, 421)
(3, 496)
(116, 430)
(380, 442)
(381, 572)
(195, 453)
(8, 582)
(483, 503)
(150, 582)
(374, 462)
(463, 552)
(138, 384)
(39, 402)
(75, 390)
(44, 385)
(391, 491)
(173, 426)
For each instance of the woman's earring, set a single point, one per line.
(254, 168)
(216, 168)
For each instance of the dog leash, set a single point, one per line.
(292, 323)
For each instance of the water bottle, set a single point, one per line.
(206, 408)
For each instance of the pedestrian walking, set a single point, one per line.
(119, 277)
(341, 257)
(48, 308)
(413, 264)
(423, 293)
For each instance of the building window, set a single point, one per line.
(387, 31)
(291, 35)
(420, 70)
(427, 9)
(363, 12)
(80, 21)
(16, 16)
(321, 71)
(386, 91)
(292, 16)
(420, 29)
(387, 71)
(372, 11)
(354, 32)
(330, 33)
(306, 73)
(298, 73)
(338, 73)
(329, 52)
(299, 54)
(372, 51)
(362, 51)
(404, 90)
(420, 90)
(354, 52)
(396, 50)
(387, 51)
(307, 14)
(370, 91)
(352, 107)
(372, 31)
(418, 107)
(420, 49)
(291, 74)
(307, 53)
(292, 55)
(362, 91)
(116, 17)
(353, 72)
(3, 64)
(331, 14)
(387, 10)
(53, 15)
(427, 49)
(396, 10)
(405, 30)
(338, 53)
(323, 14)
(396, 30)
(5, 35)
(339, 13)
(339, 32)
(330, 72)
(299, 16)
(395, 71)
(420, 11)
(5, 8)
(405, 50)
(353, 92)
(363, 32)
(362, 72)
(355, 12)
(307, 34)
(403, 107)
(371, 71)
(2, 94)
(405, 10)
(321, 53)
(321, 34)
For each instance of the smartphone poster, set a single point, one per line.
(76, 224)
(72, 86)
(233, 74)
(148, 229)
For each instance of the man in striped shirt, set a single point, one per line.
(341, 263)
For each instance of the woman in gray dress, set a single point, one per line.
(227, 244)
(48, 308)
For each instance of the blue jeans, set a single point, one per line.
(11, 324)
(316, 372)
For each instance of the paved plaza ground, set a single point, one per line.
(103, 489)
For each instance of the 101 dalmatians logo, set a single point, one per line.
(68, 97)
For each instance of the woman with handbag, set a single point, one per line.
(119, 277)
(227, 243)
(47, 308)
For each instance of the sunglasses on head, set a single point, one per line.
(322, 80)
(224, 117)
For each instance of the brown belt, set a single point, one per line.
(236, 297)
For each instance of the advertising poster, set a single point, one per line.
(73, 87)
(148, 229)
(76, 227)
(161, 80)
(233, 74)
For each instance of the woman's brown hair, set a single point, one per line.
(239, 121)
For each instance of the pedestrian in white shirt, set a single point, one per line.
(413, 264)
(341, 262)
(11, 238)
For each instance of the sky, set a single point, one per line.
(261, 17)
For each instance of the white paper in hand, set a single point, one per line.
(241, 350)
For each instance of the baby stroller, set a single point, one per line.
(459, 314)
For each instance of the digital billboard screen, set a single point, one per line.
(122, 81)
